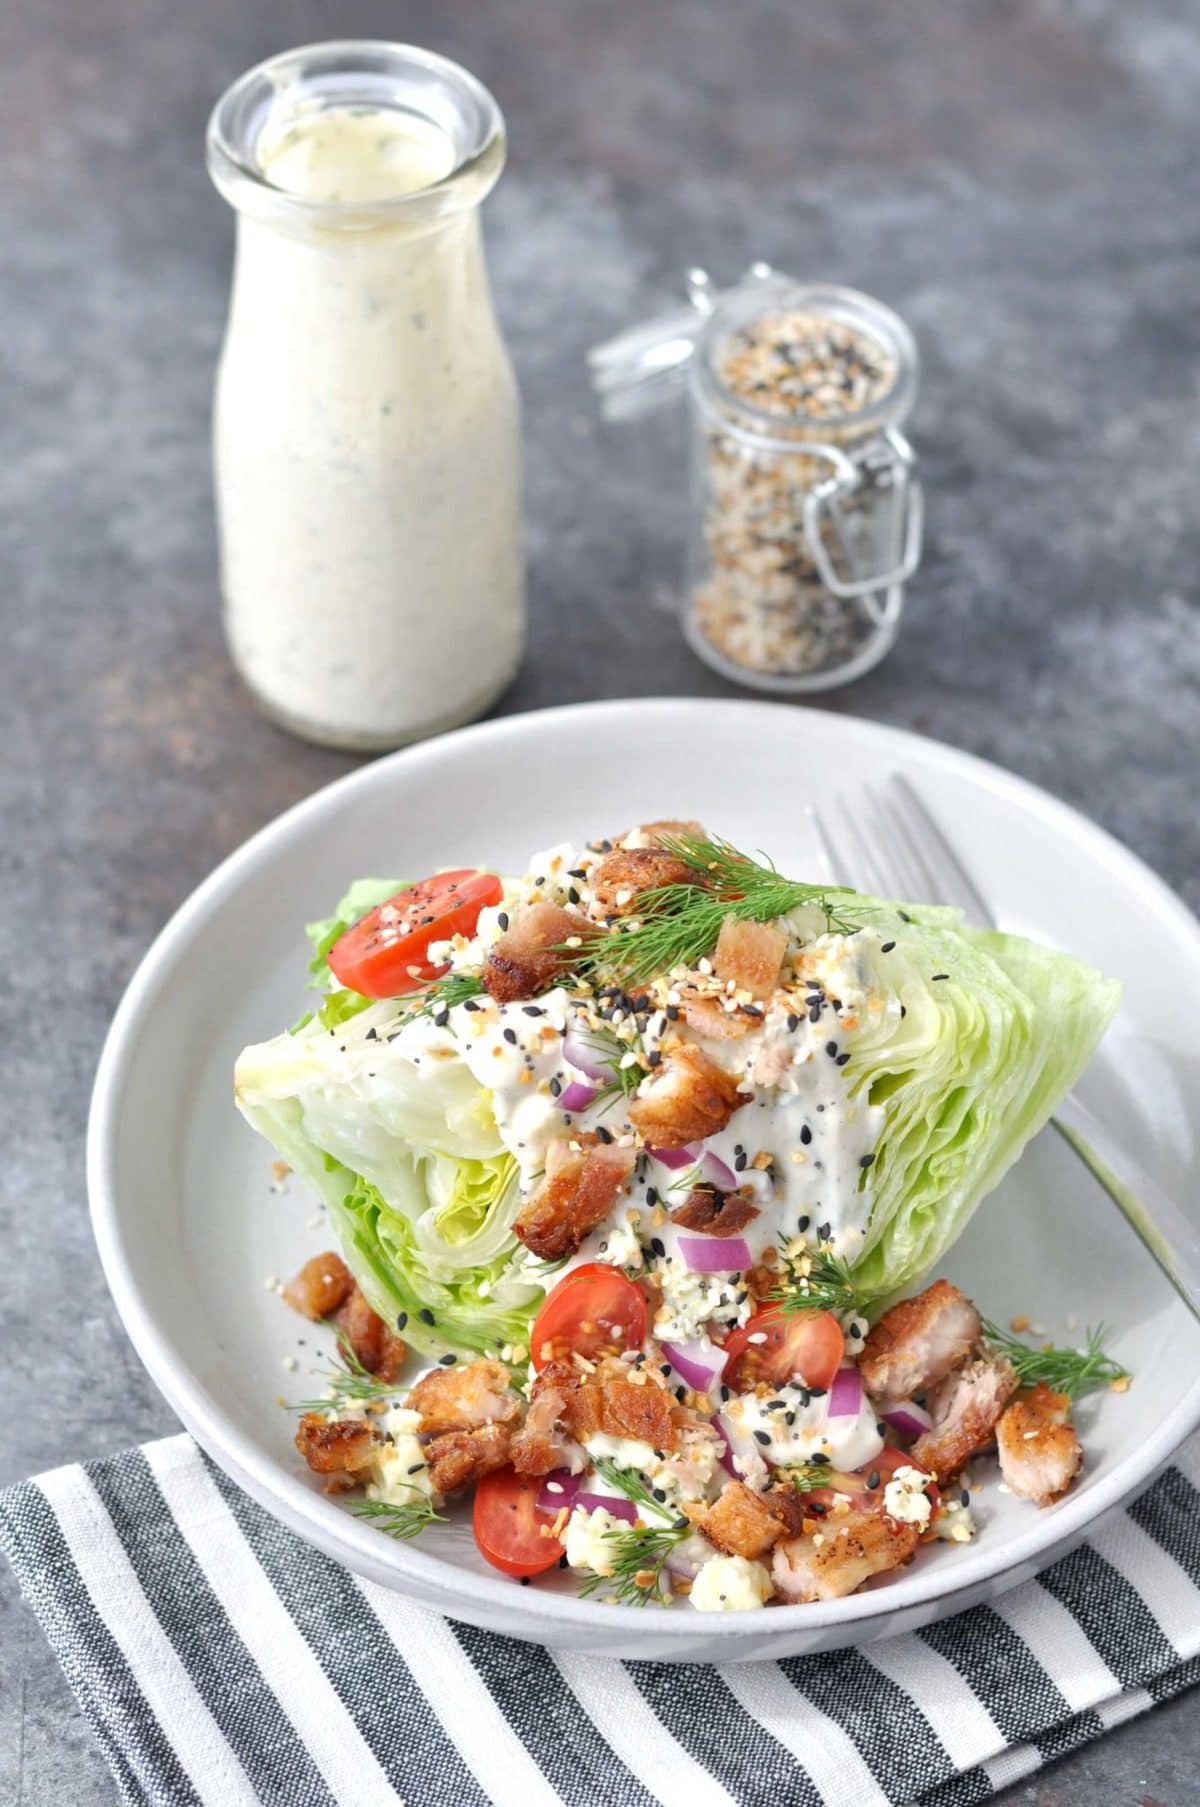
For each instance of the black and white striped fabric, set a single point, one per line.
(220, 1661)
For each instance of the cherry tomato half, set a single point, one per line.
(855, 1486)
(803, 1345)
(383, 956)
(592, 1310)
(507, 1523)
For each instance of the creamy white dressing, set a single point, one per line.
(367, 442)
(792, 1433)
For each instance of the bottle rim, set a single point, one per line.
(349, 72)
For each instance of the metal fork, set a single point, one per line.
(900, 851)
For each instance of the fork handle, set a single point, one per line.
(1164, 1231)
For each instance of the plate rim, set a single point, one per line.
(317, 1519)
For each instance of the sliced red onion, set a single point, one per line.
(677, 1157)
(716, 1254)
(694, 1363)
(846, 1394)
(560, 1488)
(583, 1056)
(714, 1171)
(738, 1449)
(576, 1096)
(910, 1419)
(607, 1502)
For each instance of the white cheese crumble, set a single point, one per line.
(400, 1470)
(693, 1300)
(954, 1522)
(730, 1584)
(905, 1498)
(585, 1540)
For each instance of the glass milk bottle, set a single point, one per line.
(366, 426)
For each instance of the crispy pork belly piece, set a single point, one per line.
(965, 1408)
(348, 1447)
(740, 1523)
(751, 954)
(541, 1444)
(531, 955)
(623, 875)
(584, 1178)
(705, 1013)
(1040, 1454)
(716, 1213)
(463, 1397)
(320, 1287)
(686, 1099)
(458, 1459)
(919, 1341)
(610, 1400)
(377, 1347)
(845, 1552)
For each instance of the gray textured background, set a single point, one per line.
(1018, 178)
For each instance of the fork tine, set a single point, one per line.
(957, 886)
(925, 884)
(899, 878)
(862, 855)
(831, 856)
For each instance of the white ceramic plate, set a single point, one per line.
(188, 1226)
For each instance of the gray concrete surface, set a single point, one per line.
(1018, 178)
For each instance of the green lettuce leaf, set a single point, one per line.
(994, 1031)
(420, 1189)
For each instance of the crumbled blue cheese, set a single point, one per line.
(905, 1498)
(955, 1522)
(789, 1426)
(689, 1301)
(585, 1540)
(730, 1584)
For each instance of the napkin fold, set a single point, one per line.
(219, 1661)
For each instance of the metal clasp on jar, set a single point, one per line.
(888, 463)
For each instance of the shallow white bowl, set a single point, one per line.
(189, 1227)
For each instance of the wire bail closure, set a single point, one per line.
(647, 366)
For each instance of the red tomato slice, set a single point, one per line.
(805, 1346)
(880, 1469)
(508, 1522)
(383, 956)
(593, 1310)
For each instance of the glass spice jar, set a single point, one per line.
(806, 515)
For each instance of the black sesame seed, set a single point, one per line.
(416, 1468)
(657, 1246)
(665, 1369)
(854, 1330)
(471, 1004)
(804, 1222)
(562, 1561)
(816, 1508)
(681, 1394)
(866, 1160)
(604, 1135)
(502, 919)
(651, 1195)
(819, 1459)
(887, 947)
(904, 916)
(531, 1009)
(842, 1059)
(441, 1018)
(654, 1058)
(964, 1498)
(831, 1048)
(555, 1087)
(510, 1035)
(938, 976)
(873, 1480)
(524, 1580)
(401, 1319)
(724, 1395)
(425, 1315)
(793, 1022)
(448, 1361)
(818, 1393)
(903, 1011)
(881, 1428)
(572, 894)
(762, 1437)
(805, 1134)
(739, 1161)
(672, 1013)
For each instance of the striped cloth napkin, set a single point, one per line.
(220, 1660)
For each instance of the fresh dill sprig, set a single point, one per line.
(639, 1552)
(610, 1051)
(1070, 1371)
(629, 1482)
(677, 925)
(347, 1380)
(639, 1556)
(821, 1281)
(404, 1520)
(445, 993)
(807, 1477)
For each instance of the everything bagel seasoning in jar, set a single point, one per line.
(806, 516)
